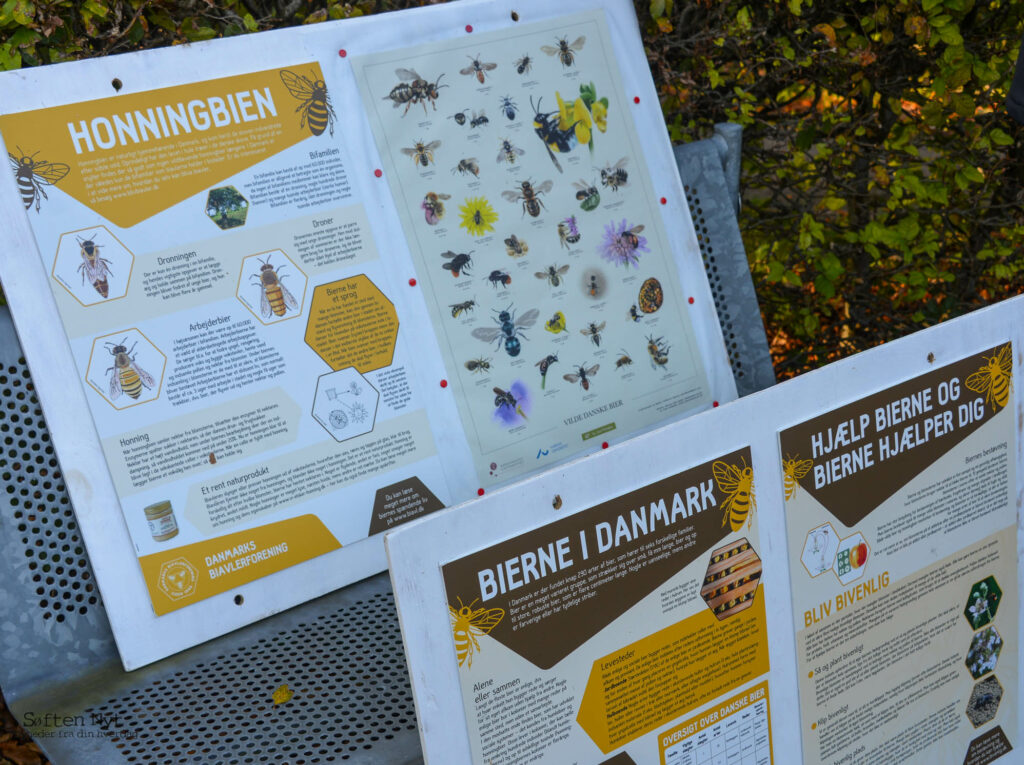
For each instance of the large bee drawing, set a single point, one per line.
(316, 108)
(478, 68)
(32, 174)
(93, 267)
(433, 207)
(615, 176)
(422, 153)
(508, 152)
(544, 364)
(274, 296)
(792, 471)
(995, 379)
(552, 274)
(509, 329)
(516, 247)
(414, 90)
(594, 332)
(587, 195)
(545, 125)
(565, 50)
(126, 375)
(528, 194)
(458, 263)
(582, 375)
(469, 624)
(738, 484)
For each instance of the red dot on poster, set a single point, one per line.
(378, 173)
(636, 99)
(343, 53)
(479, 492)
(444, 384)
(714, 403)
(664, 201)
(690, 300)
(604, 445)
(412, 282)
(469, 27)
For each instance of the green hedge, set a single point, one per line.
(883, 181)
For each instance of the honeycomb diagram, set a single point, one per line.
(731, 579)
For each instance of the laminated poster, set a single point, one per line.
(231, 321)
(520, 181)
(629, 633)
(902, 528)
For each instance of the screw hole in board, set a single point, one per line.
(239, 600)
(116, 84)
(557, 502)
(931, 358)
(515, 16)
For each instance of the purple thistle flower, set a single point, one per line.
(622, 244)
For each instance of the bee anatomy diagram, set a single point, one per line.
(737, 483)
(995, 379)
(565, 50)
(275, 299)
(316, 109)
(478, 68)
(528, 194)
(422, 153)
(509, 329)
(126, 376)
(414, 89)
(467, 625)
(792, 471)
(32, 174)
(582, 375)
(94, 268)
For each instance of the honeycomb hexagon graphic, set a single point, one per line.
(731, 579)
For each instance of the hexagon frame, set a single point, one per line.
(258, 314)
(102, 300)
(328, 428)
(102, 393)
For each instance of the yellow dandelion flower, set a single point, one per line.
(600, 112)
(582, 114)
(565, 115)
(478, 217)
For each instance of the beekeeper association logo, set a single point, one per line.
(178, 578)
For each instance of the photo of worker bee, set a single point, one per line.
(271, 286)
(93, 265)
(126, 368)
(516, 167)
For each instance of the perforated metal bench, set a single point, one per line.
(341, 655)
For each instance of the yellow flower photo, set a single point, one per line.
(478, 217)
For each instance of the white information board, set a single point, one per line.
(475, 591)
(247, 371)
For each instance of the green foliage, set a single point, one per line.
(883, 182)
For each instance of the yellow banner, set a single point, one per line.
(186, 575)
(651, 682)
(131, 156)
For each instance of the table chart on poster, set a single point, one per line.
(739, 739)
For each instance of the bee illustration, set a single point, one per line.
(594, 332)
(478, 119)
(792, 471)
(316, 108)
(614, 176)
(545, 125)
(556, 323)
(274, 296)
(32, 174)
(995, 379)
(565, 49)
(467, 165)
(568, 232)
(633, 314)
(583, 375)
(422, 153)
(524, 64)
(509, 329)
(587, 195)
(594, 286)
(516, 247)
(480, 365)
(508, 107)
(658, 351)
(528, 194)
(433, 207)
(544, 364)
(738, 484)
(508, 152)
(459, 263)
(93, 267)
(624, 360)
(468, 625)
(506, 403)
(499, 277)
(553, 275)
(414, 90)
(478, 68)
(126, 375)
(630, 242)
(459, 117)
(460, 308)
(651, 295)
